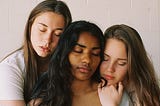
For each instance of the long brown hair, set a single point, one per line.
(30, 57)
(141, 73)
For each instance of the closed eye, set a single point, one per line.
(95, 54)
(105, 58)
(41, 27)
(42, 30)
(58, 35)
(122, 63)
(58, 32)
(77, 51)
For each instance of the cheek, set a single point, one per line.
(95, 61)
(102, 67)
(72, 59)
(35, 36)
(121, 74)
(54, 43)
(33, 41)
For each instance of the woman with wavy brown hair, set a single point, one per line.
(126, 60)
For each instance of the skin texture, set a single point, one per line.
(85, 57)
(45, 33)
(114, 67)
(110, 95)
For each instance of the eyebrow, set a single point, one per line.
(118, 58)
(83, 46)
(47, 26)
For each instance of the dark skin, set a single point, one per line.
(84, 60)
(85, 94)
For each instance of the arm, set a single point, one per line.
(11, 85)
(110, 95)
(12, 103)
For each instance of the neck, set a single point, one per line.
(43, 60)
(42, 63)
(82, 87)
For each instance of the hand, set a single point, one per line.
(35, 102)
(110, 95)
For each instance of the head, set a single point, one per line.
(114, 66)
(125, 57)
(45, 24)
(81, 49)
(85, 56)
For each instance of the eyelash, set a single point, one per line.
(121, 64)
(105, 59)
(81, 52)
(58, 35)
(96, 54)
(42, 30)
(77, 51)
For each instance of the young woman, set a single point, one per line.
(73, 75)
(21, 70)
(125, 59)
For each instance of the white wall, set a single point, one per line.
(143, 15)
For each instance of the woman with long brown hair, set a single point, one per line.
(126, 60)
(20, 71)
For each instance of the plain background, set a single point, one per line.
(143, 15)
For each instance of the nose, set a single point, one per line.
(48, 37)
(86, 58)
(110, 67)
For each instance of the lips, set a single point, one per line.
(83, 69)
(109, 77)
(45, 49)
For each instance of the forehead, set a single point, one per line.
(86, 38)
(50, 18)
(115, 48)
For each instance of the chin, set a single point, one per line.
(42, 55)
(110, 83)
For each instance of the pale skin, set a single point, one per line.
(115, 64)
(114, 67)
(110, 93)
(45, 32)
(84, 60)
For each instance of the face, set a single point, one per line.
(85, 57)
(45, 32)
(114, 66)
